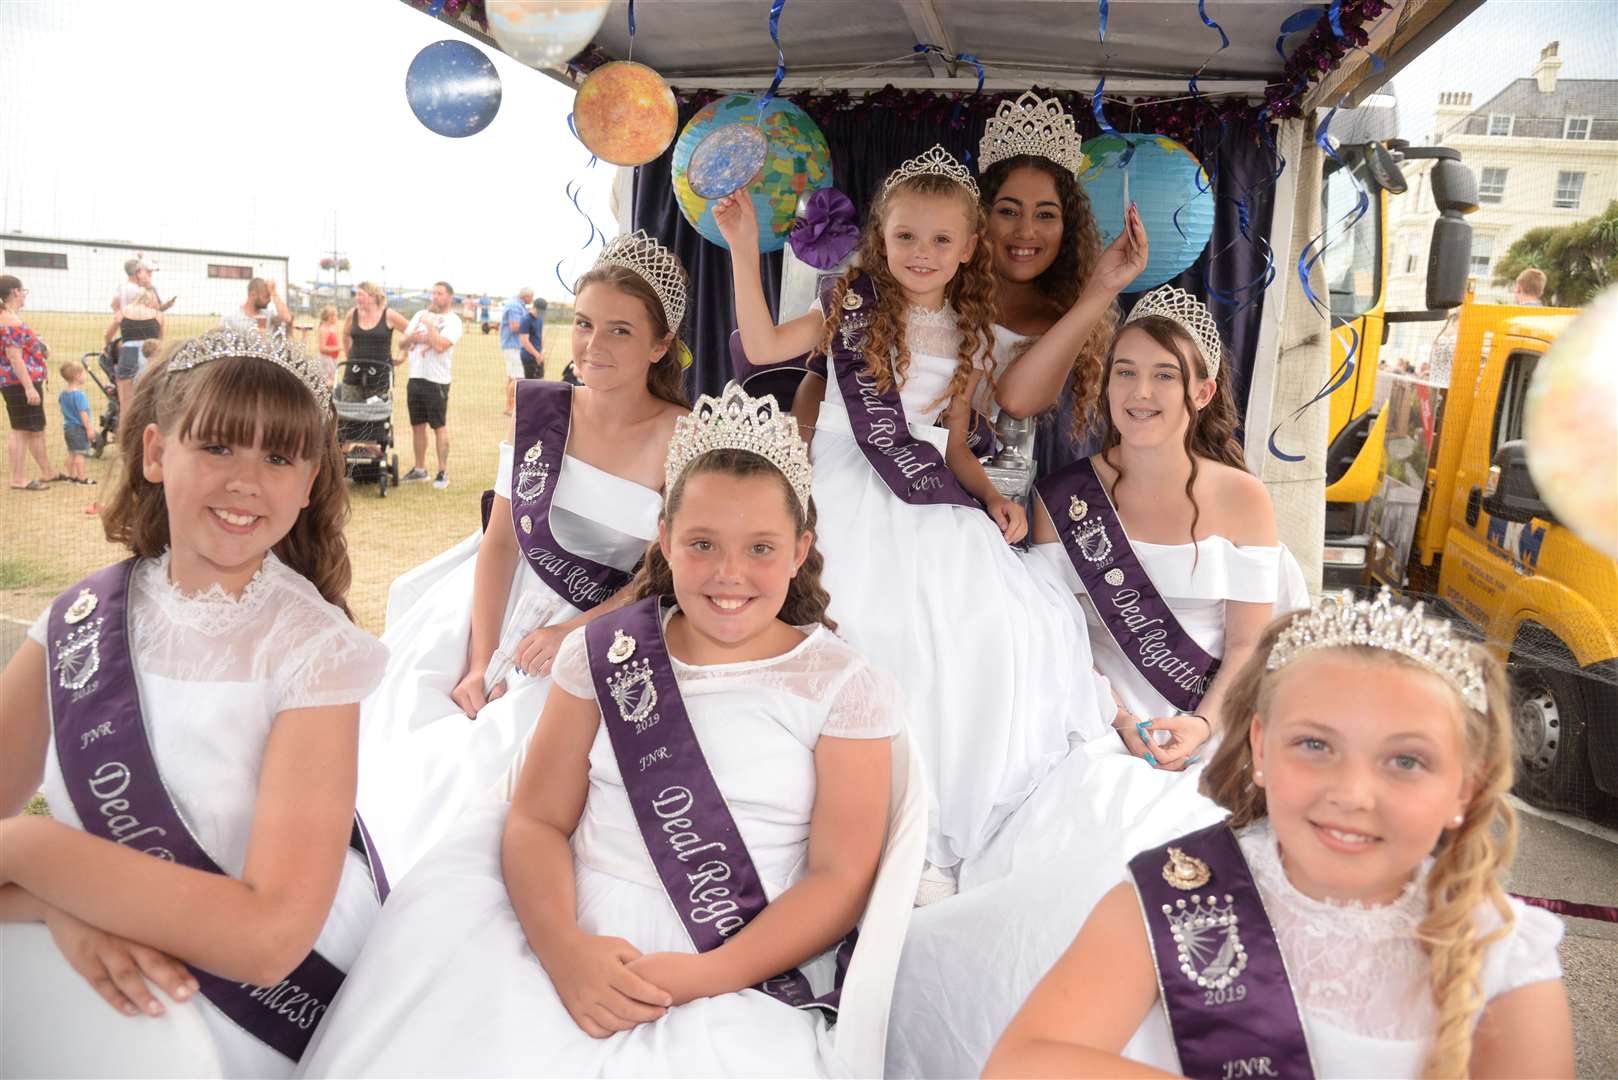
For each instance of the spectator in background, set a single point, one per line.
(533, 346)
(139, 276)
(514, 322)
(1529, 288)
(331, 345)
(135, 322)
(76, 421)
(483, 312)
(429, 343)
(22, 384)
(264, 310)
(469, 309)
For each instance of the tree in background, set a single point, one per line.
(1579, 260)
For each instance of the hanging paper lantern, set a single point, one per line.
(453, 89)
(796, 162)
(1162, 177)
(625, 113)
(544, 33)
(1571, 426)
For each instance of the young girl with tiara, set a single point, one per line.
(473, 632)
(1166, 548)
(199, 703)
(921, 578)
(696, 825)
(1348, 918)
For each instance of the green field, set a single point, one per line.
(47, 541)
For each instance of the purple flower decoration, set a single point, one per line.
(827, 232)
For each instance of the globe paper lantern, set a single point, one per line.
(625, 113)
(453, 89)
(1162, 177)
(796, 161)
(544, 33)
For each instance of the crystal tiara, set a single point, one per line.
(935, 162)
(1193, 316)
(737, 421)
(1031, 125)
(657, 265)
(223, 342)
(1340, 620)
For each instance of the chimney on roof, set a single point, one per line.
(1454, 106)
(1549, 64)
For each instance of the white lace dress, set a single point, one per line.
(213, 673)
(421, 760)
(996, 670)
(1360, 975)
(448, 986)
(1025, 896)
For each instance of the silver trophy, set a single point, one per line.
(1011, 469)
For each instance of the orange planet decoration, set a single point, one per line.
(625, 113)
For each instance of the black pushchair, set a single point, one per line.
(107, 361)
(363, 399)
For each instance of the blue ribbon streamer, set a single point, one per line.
(780, 58)
(1298, 20)
(436, 8)
(1334, 15)
(1202, 9)
(1095, 99)
(571, 190)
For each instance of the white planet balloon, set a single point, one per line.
(1571, 425)
(544, 33)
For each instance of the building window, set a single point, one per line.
(1499, 125)
(37, 260)
(1576, 127)
(1492, 185)
(244, 273)
(1569, 189)
(1482, 255)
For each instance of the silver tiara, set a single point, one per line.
(1341, 620)
(225, 342)
(655, 263)
(1192, 314)
(1031, 125)
(935, 162)
(737, 421)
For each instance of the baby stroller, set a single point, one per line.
(107, 361)
(363, 399)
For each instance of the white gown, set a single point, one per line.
(213, 673)
(995, 668)
(422, 761)
(1024, 898)
(449, 986)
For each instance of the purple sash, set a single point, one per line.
(1220, 972)
(115, 785)
(684, 820)
(912, 469)
(1131, 608)
(544, 419)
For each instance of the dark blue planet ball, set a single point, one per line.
(453, 89)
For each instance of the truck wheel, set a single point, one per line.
(1548, 722)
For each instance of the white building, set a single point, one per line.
(81, 275)
(1544, 151)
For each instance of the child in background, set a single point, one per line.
(331, 347)
(76, 420)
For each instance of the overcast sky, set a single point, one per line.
(261, 121)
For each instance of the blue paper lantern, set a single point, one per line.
(1161, 178)
(453, 89)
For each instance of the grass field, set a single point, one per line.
(47, 541)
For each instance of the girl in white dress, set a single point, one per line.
(1365, 767)
(540, 937)
(921, 578)
(472, 633)
(228, 637)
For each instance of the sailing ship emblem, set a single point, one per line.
(78, 656)
(1206, 941)
(632, 691)
(533, 474)
(1092, 541)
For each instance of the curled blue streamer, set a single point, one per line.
(1298, 20)
(780, 57)
(1334, 15)
(571, 190)
(436, 8)
(632, 23)
(1202, 9)
(1095, 98)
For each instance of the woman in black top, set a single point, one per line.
(368, 338)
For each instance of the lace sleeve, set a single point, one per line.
(337, 668)
(502, 476)
(869, 705)
(1526, 955)
(571, 669)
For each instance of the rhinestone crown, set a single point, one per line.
(223, 342)
(659, 266)
(1032, 125)
(935, 162)
(1340, 620)
(737, 421)
(1192, 314)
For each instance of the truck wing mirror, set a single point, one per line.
(1511, 493)
(1449, 258)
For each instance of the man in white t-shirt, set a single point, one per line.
(429, 345)
(139, 277)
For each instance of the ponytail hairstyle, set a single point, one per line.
(237, 401)
(666, 379)
(1062, 281)
(806, 600)
(970, 292)
(1211, 432)
(1468, 861)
